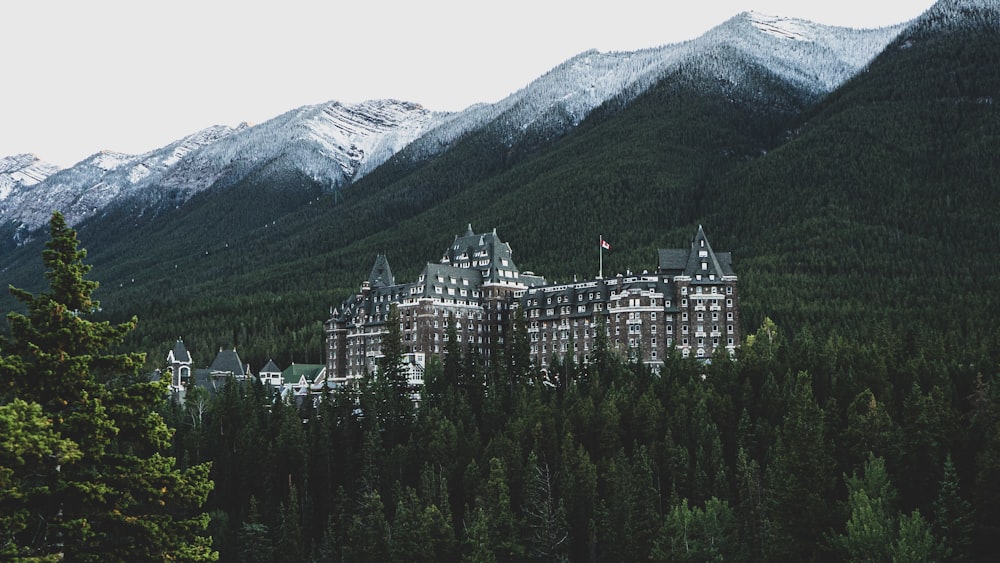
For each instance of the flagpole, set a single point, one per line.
(600, 245)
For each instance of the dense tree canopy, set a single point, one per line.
(83, 466)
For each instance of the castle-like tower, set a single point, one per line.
(476, 281)
(179, 363)
(690, 303)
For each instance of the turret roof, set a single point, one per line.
(228, 361)
(179, 354)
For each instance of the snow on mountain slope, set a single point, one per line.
(333, 143)
(23, 170)
(336, 143)
(814, 57)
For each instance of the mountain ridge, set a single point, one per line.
(337, 144)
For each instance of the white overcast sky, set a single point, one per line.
(132, 76)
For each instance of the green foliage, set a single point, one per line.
(871, 529)
(103, 490)
(697, 533)
(799, 478)
(31, 454)
(864, 229)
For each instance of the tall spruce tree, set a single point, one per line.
(798, 480)
(120, 499)
(392, 386)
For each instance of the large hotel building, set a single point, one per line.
(690, 303)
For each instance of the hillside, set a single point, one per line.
(881, 213)
(267, 286)
(851, 216)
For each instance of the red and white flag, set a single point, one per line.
(605, 245)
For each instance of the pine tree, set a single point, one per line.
(255, 544)
(696, 533)
(368, 532)
(392, 387)
(501, 522)
(122, 500)
(953, 515)
(31, 454)
(871, 529)
(915, 542)
(478, 546)
(798, 479)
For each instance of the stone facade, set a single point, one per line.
(691, 304)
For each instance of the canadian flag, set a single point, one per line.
(605, 245)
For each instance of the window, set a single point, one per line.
(729, 290)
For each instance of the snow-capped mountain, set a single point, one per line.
(336, 144)
(333, 143)
(22, 170)
(814, 57)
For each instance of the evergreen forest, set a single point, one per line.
(858, 421)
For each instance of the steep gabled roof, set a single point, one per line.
(381, 274)
(702, 260)
(269, 367)
(228, 361)
(294, 373)
(484, 252)
(451, 276)
(179, 354)
(688, 261)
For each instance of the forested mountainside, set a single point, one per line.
(860, 420)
